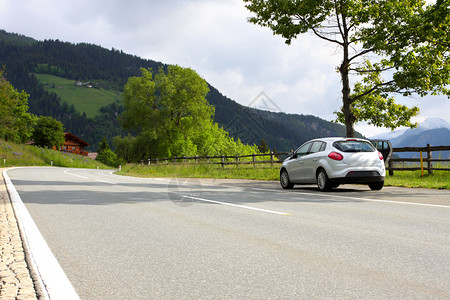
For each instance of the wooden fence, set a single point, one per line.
(418, 162)
(393, 164)
(254, 159)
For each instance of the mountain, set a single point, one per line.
(434, 137)
(433, 131)
(109, 70)
(389, 135)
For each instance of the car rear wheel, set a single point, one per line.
(376, 186)
(285, 181)
(323, 182)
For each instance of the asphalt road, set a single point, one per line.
(119, 237)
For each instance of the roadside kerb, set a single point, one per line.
(50, 280)
(15, 278)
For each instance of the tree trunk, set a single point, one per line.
(346, 99)
(349, 117)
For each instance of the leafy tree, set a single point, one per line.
(16, 122)
(48, 133)
(172, 117)
(397, 47)
(167, 109)
(123, 147)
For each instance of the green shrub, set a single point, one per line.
(108, 157)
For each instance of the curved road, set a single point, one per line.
(119, 237)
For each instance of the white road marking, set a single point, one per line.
(326, 195)
(76, 175)
(238, 205)
(355, 198)
(67, 172)
(104, 181)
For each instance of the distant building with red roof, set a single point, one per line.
(74, 144)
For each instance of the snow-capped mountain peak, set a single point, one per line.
(434, 123)
(428, 124)
(389, 135)
(433, 131)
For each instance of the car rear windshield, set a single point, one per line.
(353, 146)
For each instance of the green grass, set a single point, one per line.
(88, 100)
(438, 180)
(261, 172)
(13, 155)
(414, 179)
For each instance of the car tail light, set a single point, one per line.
(380, 156)
(335, 156)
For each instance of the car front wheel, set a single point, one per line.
(376, 186)
(285, 181)
(323, 182)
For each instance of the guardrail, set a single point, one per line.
(417, 163)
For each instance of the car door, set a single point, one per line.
(295, 163)
(310, 161)
(385, 147)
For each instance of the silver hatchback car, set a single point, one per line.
(329, 162)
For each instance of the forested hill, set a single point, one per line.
(110, 69)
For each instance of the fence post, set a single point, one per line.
(390, 166)
(237, 160)
(196, 159)
(223, 162)
(149, 161)
(207, 157)
(271, 158)
(429, 157)
(421, 163)
(184, 159)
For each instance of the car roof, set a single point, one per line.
(334, 139)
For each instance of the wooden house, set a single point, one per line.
(73, 144)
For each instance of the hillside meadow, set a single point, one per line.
(14, 155)
(84, 99)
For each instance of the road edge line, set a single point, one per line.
(53, 282)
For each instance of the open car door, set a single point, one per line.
(385, 147)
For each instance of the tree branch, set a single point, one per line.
(325, 38)
(371, 90)
(364, 52)
(371, 71)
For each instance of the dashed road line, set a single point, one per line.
(355, 198)
(104, 181)
(67, 172)
(238, 205)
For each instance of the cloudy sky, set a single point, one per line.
(213, 37)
